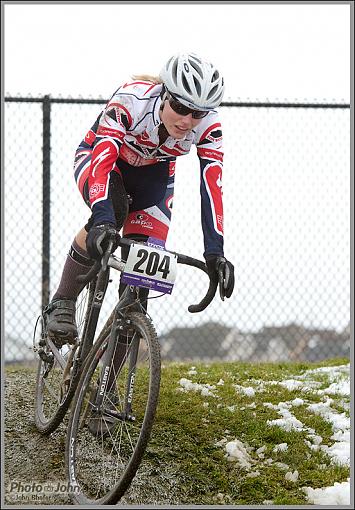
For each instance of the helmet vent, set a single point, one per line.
(197, 85)
(185, 84)
(174, 71)
(194, 57)
(215, 76)
(212, 92)
(168, 63)
(197, 69)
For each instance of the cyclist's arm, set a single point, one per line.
(113, 123)
(210, 153)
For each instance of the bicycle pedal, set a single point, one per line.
(61, 340)
(74, 341)
(47, 358)
(42, 342)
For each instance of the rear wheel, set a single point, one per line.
(111, 421)
(56, 381)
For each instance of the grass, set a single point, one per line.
(183, 464)
(186, 431)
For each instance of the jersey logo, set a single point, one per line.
(116, 113)
(142, 217)
(212, 134)
(96, 189)
(215, 136)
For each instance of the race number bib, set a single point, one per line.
(152, 268)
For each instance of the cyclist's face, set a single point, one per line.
(177, 125)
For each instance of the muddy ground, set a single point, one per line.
(34, 460)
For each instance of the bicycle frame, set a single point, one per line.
(98, 276)
(115, 383)
(118, 345)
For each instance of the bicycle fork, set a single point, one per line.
(115, 356)
(131, 378)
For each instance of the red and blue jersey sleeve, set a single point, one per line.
(210, 153)
(107, 141)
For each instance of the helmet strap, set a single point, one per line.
(163, 96)
(162, 133)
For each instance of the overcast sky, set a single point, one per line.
(265, 51)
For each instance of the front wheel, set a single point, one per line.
(112, 413)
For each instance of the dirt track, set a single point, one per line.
(36, 461)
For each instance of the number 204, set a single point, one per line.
(153, 263)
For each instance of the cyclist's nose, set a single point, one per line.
(187, 121)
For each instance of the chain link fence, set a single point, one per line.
(287, 230)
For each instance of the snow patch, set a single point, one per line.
(206, 390)
(337, 494)
(245, 390)
(292, 477)
(237, 452)
(282, 447)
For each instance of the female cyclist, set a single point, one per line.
(131, 151)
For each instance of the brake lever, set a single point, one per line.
(222, 279)
(107, 255)
(86, 278)
(221, 284)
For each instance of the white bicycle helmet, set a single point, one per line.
(193, 81)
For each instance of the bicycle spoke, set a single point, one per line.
(52, 392)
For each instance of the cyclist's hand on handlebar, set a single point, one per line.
(220, 269)
(98, 238)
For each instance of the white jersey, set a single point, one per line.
(127, 129)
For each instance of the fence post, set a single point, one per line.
(46, 177)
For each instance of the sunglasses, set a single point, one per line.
(181, 109)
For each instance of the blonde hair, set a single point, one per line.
(147, 77)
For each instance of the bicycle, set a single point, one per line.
(112, 384)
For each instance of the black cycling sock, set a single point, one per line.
(77, 263)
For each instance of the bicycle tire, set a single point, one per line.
(54, 387)
(99, 470)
